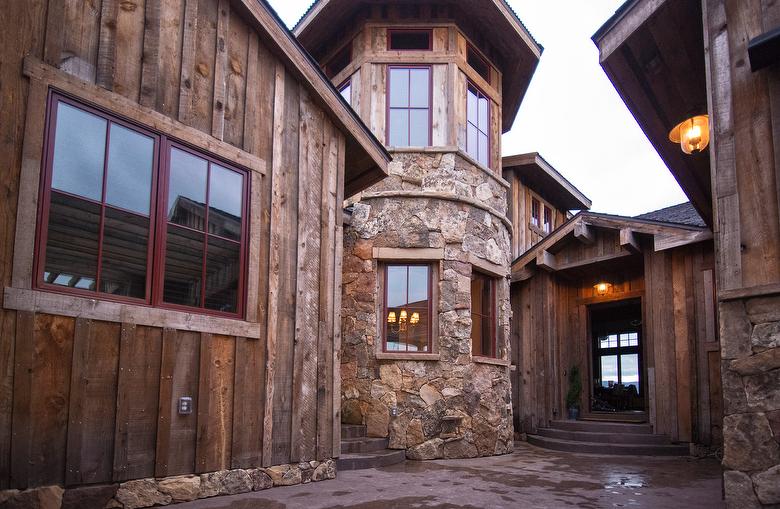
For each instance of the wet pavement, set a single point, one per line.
(528, 478)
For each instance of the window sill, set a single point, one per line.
(39, 301)
(490, 360)
(401, 356)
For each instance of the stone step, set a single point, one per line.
(351, 445)
(352, 431)
(602, 427)
(603, 438)
(363, 460)
(609, 449)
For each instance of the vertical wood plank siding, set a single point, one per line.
(84, 401)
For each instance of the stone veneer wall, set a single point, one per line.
(750, 349)
(430, 200)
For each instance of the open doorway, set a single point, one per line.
(618, 384)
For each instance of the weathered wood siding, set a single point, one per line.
(551, 332)
(90, 401)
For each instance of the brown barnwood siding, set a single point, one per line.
(551, 332)
(89, 401)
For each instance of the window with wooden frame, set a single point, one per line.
(478, 125)
(129, 215)
(535, 212)
(478, 63)
(548, 221)
(483, 315)
(407, 308)
(409, 106)
(345, 89)
(409, 39)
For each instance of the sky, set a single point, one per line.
(572, 114)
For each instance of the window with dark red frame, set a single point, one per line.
(407, 308)
(535, 212)
(129, 215)
(410, 39)
(483, 315)
(478, 63)
(477, 128)
(409, 106)
(547, 219)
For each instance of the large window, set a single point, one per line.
(129, 215)
(477, 128)
(407, 308)
(483, 315)
(409, 106)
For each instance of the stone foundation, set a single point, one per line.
(450, 405)
(143, 493)
(750, 349)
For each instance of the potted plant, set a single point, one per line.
(573, 395)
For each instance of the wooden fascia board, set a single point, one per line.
(519, 28)
(310, 15)
(302, 66)
(610, 38)
(584, 233)
(530, 255)
(534, 158)
(673, 240)
(629, 241)
(637, 225)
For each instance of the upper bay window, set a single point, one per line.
(409, 106)
(477, 128)
(129, 215)
(407, 308)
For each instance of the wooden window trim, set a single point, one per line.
(493, 316)
(480, 94)
(409, 109)
(431, 268)
(391, 31)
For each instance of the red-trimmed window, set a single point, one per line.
(407, 308)
(548, 226)
(345, 89)
(477, 125)
(535, 212)
(483, 315)
(409, 106)
(410, 39)
(478, 63)
(129, 215)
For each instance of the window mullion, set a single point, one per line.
(205, 237)
(101, 224)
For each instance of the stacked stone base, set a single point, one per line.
(151, 492)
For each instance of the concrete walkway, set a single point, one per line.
(528, 478)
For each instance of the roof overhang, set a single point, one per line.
(653, 53)
(580, 229)
(366, 159)
(492, 20)
(546, 181)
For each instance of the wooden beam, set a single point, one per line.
(629, 241)
(663, 242)
(524, 274)
(546, 260)
(584, 233)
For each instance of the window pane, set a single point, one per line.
(79, 152)
(129, 179)
(418, 128)
(72, 242)
(419, 88)
(483, 114)
(417, 39)
(482, 315)
(629, 370)
(399, 128)
(187, 190)
(225, 202)
(222, 272)
(396, 286)
(125, 244)
(399, 88)
(472, 145)
(419, 325)
(418, 286)
(609, 374)
(346, 93)
(183, 267)
(472, 106)
(483, 149)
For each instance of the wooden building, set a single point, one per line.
(170, 244)
(672, 61)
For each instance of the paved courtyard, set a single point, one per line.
(528, 478)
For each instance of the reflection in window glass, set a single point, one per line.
(225, 203)
(409, 91)
(477, 119)
(183, 267)
(346, 91)
(125, 246)
(129, 177)
(187, 190)
(408, 314)
(609, 370)
(79, 152)
(483, 318)
(629, 370)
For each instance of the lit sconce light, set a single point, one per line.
(391, 318)
(415, 318)
(602, 288)
(400, 322)
(692, 134)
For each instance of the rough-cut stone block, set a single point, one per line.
(757, 363)
(325, 470)
(429, 450)
(734, 397)
(765, 335)
(459, 448)
(763, 309)
(141, 493)
(284, 475)
(767, 485)
(739, 491)
(181, 488)
(748, 443)
(735, 330)
(378, 420)
(351, 412)
(763, 391)
(88, 497)
(48, 497)
(429, 394)
(390, 374)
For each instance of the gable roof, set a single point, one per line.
(545, 180)
(499, 25)
(366, 158)
(683, 213)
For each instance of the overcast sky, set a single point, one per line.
(572, 115)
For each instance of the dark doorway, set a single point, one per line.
(618, 379)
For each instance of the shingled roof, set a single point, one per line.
(684, 213)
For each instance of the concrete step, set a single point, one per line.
(352, 445)
(352, 431)
(609, 449)
(604, 438)
(363, 460)
(602, 427)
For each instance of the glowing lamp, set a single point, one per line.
(602, 287)
(391, 317)
(692, 134)
(415, 318)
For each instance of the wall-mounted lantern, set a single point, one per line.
(602, 288)
(692, 134)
